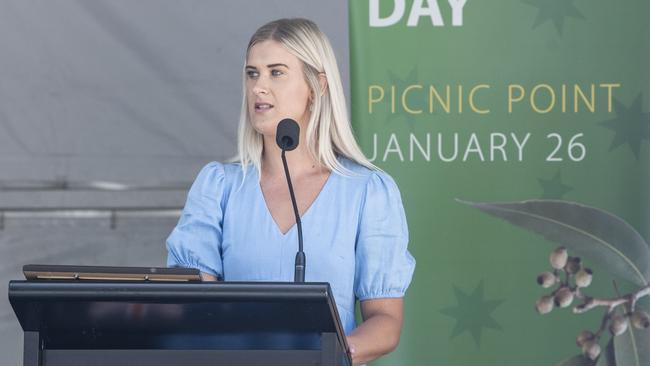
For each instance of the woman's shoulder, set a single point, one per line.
(221, 171)
(371, 177)
(217, 176)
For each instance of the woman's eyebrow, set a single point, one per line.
(269, 66)
(276, 65)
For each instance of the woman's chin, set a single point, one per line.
(266, 126)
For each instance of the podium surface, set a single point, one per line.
(215, 323)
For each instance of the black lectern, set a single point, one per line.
(223, 323)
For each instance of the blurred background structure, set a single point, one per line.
(108, 109)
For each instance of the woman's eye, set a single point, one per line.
(252, 74)
(276, 72)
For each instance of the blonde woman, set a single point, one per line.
(238, 222)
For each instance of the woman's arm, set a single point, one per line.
(380, 331)
(208, 277)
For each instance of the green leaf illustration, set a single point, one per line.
(578, 360)
(599, 236)
(633, 347)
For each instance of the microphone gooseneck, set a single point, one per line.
(287, 138)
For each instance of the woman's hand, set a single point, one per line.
(380, 331)
(205, 277)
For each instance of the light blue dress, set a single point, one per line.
(355, 234)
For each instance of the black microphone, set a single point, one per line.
(287, 134)
(287, 138)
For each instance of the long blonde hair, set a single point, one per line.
(328, 133)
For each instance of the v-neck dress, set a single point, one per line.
(355, 234)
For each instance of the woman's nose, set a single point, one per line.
(260, 87)
(257, 90)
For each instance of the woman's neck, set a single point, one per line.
(300, 161)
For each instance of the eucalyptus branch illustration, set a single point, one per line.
(571, 278)
(611, 245)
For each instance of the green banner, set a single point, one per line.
(512, 128)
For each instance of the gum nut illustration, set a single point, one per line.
(591, 350)
(563, 297)
(546, 279)
(544, 304)
(640, 319)
(618, 325)
(583, 277)
(559, 258)
(584, 337)
(573, 265)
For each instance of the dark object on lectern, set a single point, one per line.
(105, 273)
(220, 323)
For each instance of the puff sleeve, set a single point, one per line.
(195, 242)
(384, 267)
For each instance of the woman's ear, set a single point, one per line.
(322, 80)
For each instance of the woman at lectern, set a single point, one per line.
(238, 223)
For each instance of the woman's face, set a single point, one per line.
(275, 87)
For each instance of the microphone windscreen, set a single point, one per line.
(287, 133)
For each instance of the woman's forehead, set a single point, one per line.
(270, 52)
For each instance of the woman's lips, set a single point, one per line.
(263, 107)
